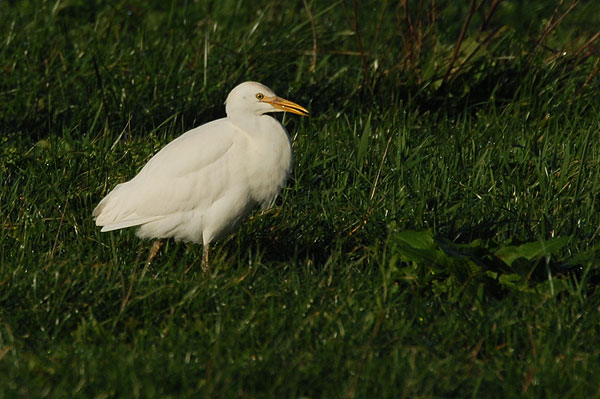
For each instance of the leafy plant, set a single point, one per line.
(465, 271)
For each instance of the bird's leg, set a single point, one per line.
(153, 251)
(204, 265)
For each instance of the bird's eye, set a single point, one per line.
(260, 96)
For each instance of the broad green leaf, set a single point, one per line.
(417, 239)
(531, 250)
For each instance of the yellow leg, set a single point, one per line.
(153, 251)
(204, 265)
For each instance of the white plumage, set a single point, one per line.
(200, 186)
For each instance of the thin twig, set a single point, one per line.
(551, 26)
(461, 37)
(488, 15)
(479, 46)
(590, 76)
(586, 44)
(547, 29)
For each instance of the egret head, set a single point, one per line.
(258, 99)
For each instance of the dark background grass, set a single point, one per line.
(475, 121)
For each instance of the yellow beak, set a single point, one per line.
(286, 105)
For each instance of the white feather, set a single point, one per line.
(203, 184)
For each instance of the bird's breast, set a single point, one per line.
(270, 152)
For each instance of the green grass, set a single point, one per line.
(438, 238)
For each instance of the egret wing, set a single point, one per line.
(189, 173)
(192, 151)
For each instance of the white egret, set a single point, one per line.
(201, 185)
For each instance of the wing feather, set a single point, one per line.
(191, 172)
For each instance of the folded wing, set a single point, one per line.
(188, 174)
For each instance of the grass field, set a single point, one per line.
(438, 238)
